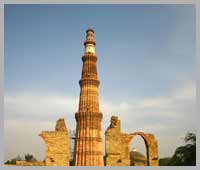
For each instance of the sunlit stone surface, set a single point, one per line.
(57, 145)
(88, 144)
(118, 145)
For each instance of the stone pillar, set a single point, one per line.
(57, 145)
(88, 142)
(152, 150)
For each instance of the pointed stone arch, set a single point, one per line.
(151, 146)
(118, 145)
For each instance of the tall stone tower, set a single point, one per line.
(88, 144)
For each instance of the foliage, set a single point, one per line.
(190, 137)
(164, 161)
(13, 161)
(184, 155)
(30, 158)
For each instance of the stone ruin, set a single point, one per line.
(57, 145)
(117, 145)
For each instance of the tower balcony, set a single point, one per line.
(89, 42)
(85, 81)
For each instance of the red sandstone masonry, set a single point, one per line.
(87, 151)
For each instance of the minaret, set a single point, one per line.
(88, 143)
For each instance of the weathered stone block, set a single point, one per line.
(57, 145)
(25, 163)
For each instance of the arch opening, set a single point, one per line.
(118, 145)
(138, 150)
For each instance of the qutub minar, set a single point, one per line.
(88, 147)
(88, 144)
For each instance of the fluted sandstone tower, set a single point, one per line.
(88, 143)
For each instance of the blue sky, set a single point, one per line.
(146, 65)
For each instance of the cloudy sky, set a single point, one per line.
(146, 65)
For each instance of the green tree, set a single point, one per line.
(29, 158)
(13, 161)
(164, 161)
(7, 162)
(185, 155)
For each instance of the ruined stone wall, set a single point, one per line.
(117, 150)
(57, 145)
(25, 163)
(118, 145)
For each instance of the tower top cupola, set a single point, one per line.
(90, 29)
(90, 41)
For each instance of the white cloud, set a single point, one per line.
(32, 113)
(28, 114)
(39, 106)
(168, 117)
(171, 101)
(21, 137)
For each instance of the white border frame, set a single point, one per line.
(2, 2)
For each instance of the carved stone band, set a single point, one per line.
(89, 57)
(88, 115)
(89, 42)
(89, 81)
